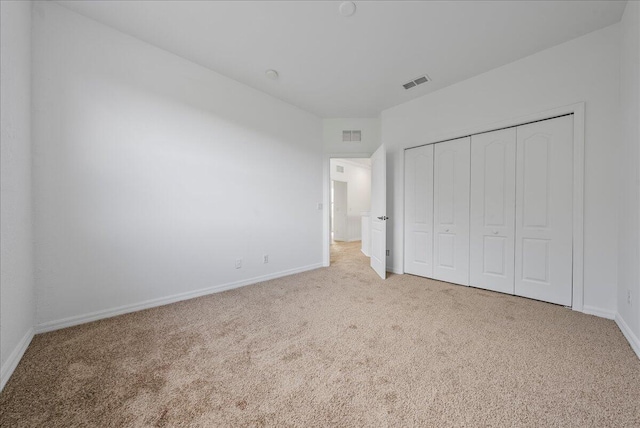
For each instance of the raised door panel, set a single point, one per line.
(451, 211)
(544, 190)
(493, 192)
(418, 211)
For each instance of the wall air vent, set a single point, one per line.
(417, 81)
(351, 136)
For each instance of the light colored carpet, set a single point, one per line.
(332, 347)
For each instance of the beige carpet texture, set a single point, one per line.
(333, 347)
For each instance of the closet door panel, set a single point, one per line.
(544, 192)
(418, 211)
(493, 194)
(451, 211)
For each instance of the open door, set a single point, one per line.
(379, 212)
(340, 222)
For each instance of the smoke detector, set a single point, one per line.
(271, 74)
(415, 82)
(347, 8)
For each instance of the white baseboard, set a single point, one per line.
(602, 313)
(626, 331)
(125, 309)
(394, 270)
(363, 252)
(14, 358)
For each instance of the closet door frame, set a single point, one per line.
(578, 112)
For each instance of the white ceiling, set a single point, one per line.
(351, 67)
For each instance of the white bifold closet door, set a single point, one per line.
(493, 211)
(544, 191)
(451, 211)
(418, 212)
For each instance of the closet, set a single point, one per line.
(494, 210)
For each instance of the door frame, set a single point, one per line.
(326, 197)
(578, 112)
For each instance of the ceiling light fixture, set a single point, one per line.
(272, 74)
(347, 8)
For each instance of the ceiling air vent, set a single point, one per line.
(353, 136)
(417, 81)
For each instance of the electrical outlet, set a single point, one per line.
(238, 263)
(628, 296)
(265, 258)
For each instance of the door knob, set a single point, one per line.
(446, 230)
(495, 232)
(383, 217)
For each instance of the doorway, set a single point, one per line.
(350, 203)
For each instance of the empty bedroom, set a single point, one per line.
(320, 213)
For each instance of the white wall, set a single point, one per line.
(629, 173)
(332, 135)
(17, 303)
(358, 176)
(584, 69)
(358, 179)
(153, 174)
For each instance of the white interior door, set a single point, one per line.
(451, 211)
(379, 212)
(493, 211)
(544, 192)
(340, 223)
(418, 211)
